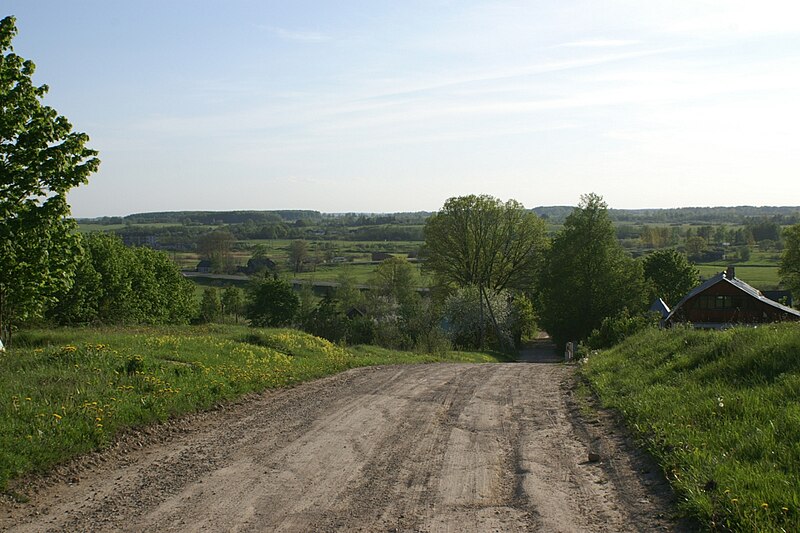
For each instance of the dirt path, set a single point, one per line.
(409, 448)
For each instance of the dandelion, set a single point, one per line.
(57, 416)
(764, 505)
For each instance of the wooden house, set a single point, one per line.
(204, 266)
(724, 300)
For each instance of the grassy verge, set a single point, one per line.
(66, 392)
(720, 412)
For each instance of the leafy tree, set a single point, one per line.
(298, 254)
(670, 275)
(216, 247)
(161, 295)
(115, 284)
(465, 324)
(790, 260)
(695, 246)
(272, 303)
(482, 242)
(346, 293)
(41, 159)
(233, 302)
(394, 278)
(210, 306)
(588, 276)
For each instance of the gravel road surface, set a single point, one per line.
(436, 448)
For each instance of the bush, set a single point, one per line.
(272, 303)
(615, 329)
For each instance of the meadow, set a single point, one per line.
(719, 411)
(65, 392)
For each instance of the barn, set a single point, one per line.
(725, 300)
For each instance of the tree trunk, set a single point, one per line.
(497, 332)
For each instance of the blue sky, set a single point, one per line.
(377, 106)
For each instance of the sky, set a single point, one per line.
(377, 106)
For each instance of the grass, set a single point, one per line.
(69, 391)
(763, 277)
(719, 411)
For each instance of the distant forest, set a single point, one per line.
(785, 215)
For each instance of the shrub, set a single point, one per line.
(615, 329)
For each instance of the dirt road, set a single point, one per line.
(449, 447)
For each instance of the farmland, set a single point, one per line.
(343, 245)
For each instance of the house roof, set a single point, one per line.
(739, 284)
(660, 307)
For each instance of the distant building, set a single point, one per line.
(204, 266)
(725, 300)
(259, 264)
(380, 256)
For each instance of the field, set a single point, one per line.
(68, 391)
(763, 277)
(719, 412)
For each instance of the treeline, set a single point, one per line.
(785, 215)
(209, 217)
(738, 215)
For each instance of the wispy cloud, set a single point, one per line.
(305, 36)
(598, 43)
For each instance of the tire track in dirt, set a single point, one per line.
(445, 447)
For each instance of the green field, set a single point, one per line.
(65, 392)
(719, 411)
(763, 277)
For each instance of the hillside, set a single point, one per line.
(719, 411)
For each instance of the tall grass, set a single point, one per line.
(66, 392)
(720, 412)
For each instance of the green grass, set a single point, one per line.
(720, 412)
(763, 277)
(68, 391)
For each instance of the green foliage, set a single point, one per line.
(42, 159)
(272, 303)
(298, 254)
(718, 409)
(790, 260)
(481, 241)
(210, 305)
(328, 320)
(587, 276)
(68, 391)
(394, 278)
(466, 322)
(233, 301)
(215, 246)
(615, 329)
(115, 284)
(524, 318)
(670, 275)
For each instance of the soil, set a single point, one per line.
(435, 448)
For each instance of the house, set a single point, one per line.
(725, 300)
(380, 256)
(204, 266)
(259, 264)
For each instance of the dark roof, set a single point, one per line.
(739, 284)
(660, 306)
